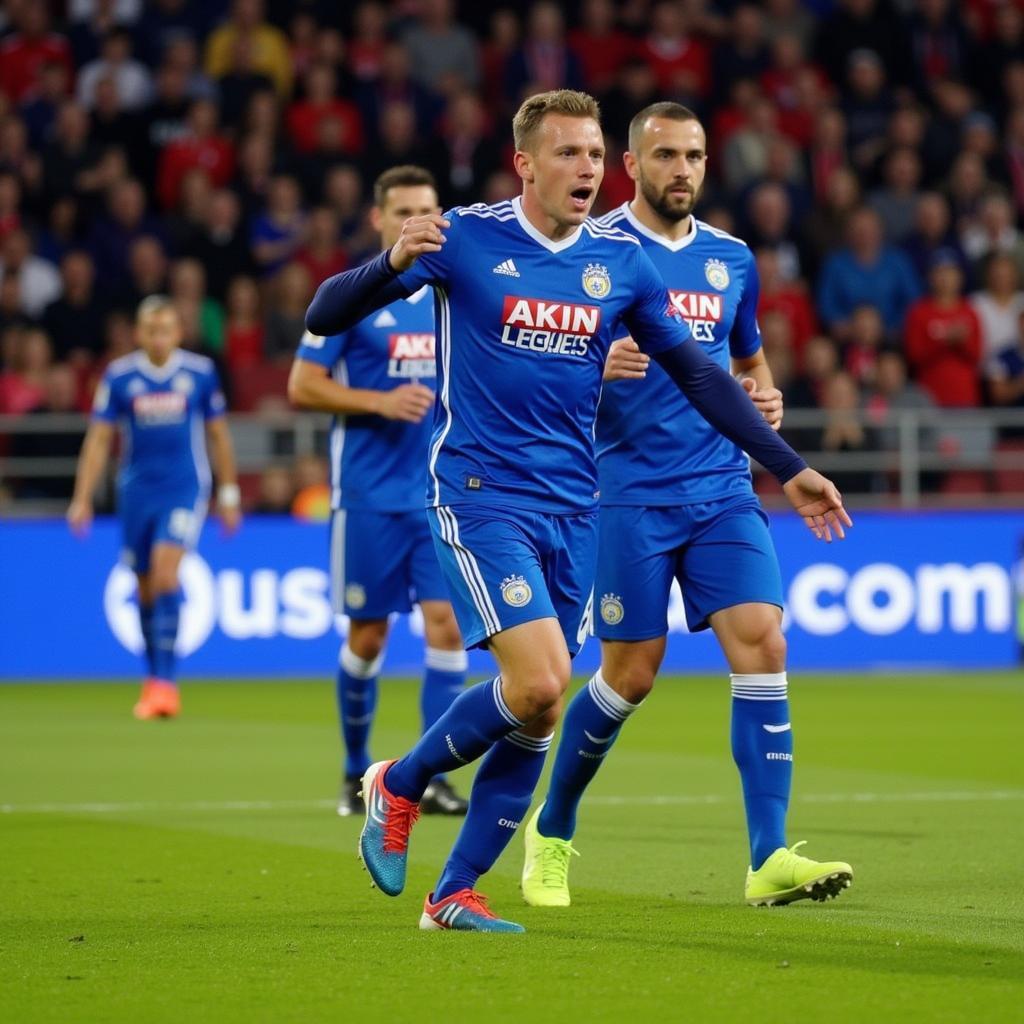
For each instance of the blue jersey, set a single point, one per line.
(653, 447)
(377, 463)
(524, 324)
(162, 411)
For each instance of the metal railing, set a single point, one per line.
(912, 457)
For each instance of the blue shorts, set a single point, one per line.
(382, 562)
(720, 552)
(505, 567)
(158, 519)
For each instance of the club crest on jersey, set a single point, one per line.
(717, 274)
(355, 596)
(516, 591)
(596, 281)
(183, 383)
(612, 611)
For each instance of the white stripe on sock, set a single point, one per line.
(611, 703)
(446, 661)
(759, 685)
(499, 700)
(535, 744)
(359, 668)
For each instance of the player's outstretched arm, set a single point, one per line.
(229, 498)
(91, 462)
(345, 299)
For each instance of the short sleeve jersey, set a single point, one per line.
(162, 411)
(524, 324)
(653, 447)
(377, 463)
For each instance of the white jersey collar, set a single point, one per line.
(549, 244)
(158, 373)
(643, 229)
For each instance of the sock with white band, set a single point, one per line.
(762, 746)
(444, 678)
(357, 702)
(589, 728)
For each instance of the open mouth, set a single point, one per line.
(581, 196)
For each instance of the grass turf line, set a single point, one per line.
(186, 909)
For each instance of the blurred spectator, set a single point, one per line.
(222, 246)
(70, 154)
(368, 41)
(1004, 372)
(395, 84)
(147, 272)
(635, 88)
(820, 362)
(501, 42)
(771, 226)
(464, 154)
(38, 281)
(501, 185)
(322, 254)
(113, 234)
(280, 229)
(866, 272)
(243, 335)
(544, 60)
(994, 231)
(860, 353)
(787, 297)
(943, 337)
(1014, 151)
(312, 501)
(681, 63)
(271, 55)
(163, 23)
(865, 25)
(999, 304)
(285, 323)
(931, 232)
(443, 53)
(789, 17)
(321, 102)
(39, 108)
(111, 126)
(895, 201)
(997, 51)
(746, 54)
(10, 204)
(188, 290)
(745, 154)
(824, 229)
(200, 146)
(939, 45)
(980, 137)
(951, 104)
(867, 104)
(966, 187)
(844, 432)
(398, 142)
(277, 492)
(26, 51)
(891, 394)
(131, 79)
(27, 360)
(600, 46)
(241, 82)
(74, 322)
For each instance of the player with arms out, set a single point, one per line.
(677, 503)
(162, 397)
(382, 553)
(529, 295)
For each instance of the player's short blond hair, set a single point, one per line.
(558, 101)
(155, 304)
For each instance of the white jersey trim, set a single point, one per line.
(642, 229)
(543, 240)
(340, 375)
(443, 328)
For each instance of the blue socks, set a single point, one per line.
(444, 678)
(166, 609)
(475, 720)
(499, 801)
(590, 727)
(762, 746)
(357, 700)
(148, 639)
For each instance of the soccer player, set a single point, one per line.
(382, 553)
(677, 503)
(529, 295)
(162, 397)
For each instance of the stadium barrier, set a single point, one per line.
(920, 589)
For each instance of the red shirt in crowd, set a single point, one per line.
(243, 346)
(601, 57)
(214, 155)
(322, 267)
(944, 351)
(304, 120)
(21, 60)
(793, 302)
(669, 62)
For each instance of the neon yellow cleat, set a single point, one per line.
(786, 877)
(546, 870)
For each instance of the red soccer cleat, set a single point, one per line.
(159, 699)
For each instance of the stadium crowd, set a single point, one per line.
(870, 151)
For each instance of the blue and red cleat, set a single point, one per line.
(384, 841)
(464, 911)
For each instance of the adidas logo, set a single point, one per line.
(506, 267)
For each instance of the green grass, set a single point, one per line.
(131, 889)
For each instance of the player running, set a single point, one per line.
(162, 397)
(529, 295)
(677, 503)
(382, 554)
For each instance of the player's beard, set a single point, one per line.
(669, 209)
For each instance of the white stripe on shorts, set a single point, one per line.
(470, 570)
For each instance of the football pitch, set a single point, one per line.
(195, 870)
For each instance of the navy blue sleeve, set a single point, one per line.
(727, 407)
(345, 299)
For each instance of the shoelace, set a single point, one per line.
(554, 863)
(477, 902)
(402, 815)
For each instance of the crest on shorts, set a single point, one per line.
(516, 591)
(355, 596)
(612, 611)
(182, 383)
(717, 274)
(596, 281)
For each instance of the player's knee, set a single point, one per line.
(443, 633)
(766, 646)
(632, 682)
(163, 580)
(366, 639)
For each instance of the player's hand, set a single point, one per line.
(231, 517)
(820, 504)
(767, 400)
(625, 361)
(408, 402)
(79, 517)
(419, 235)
